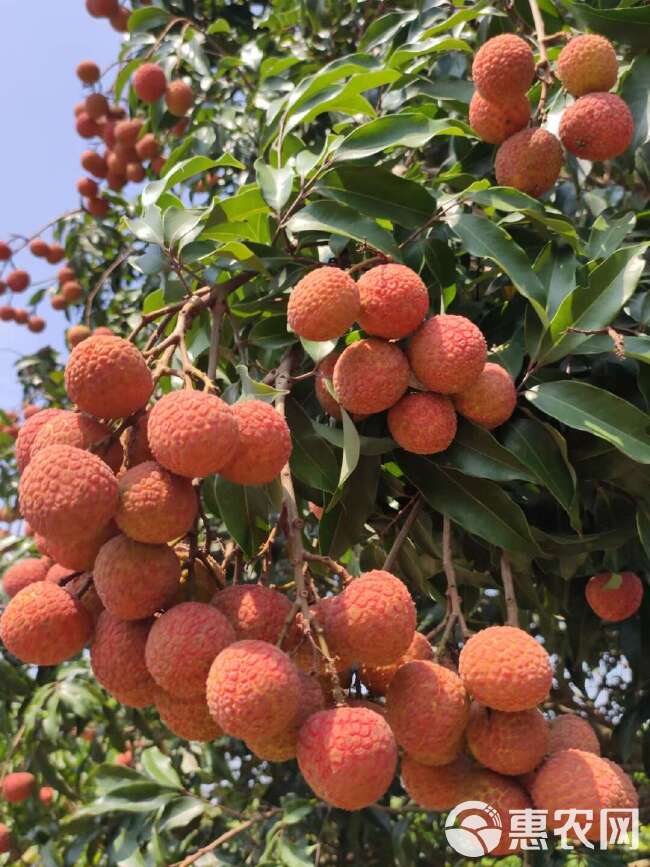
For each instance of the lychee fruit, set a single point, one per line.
(88, 72)
(94, 163)
(570, 731)
(87, 187)
(494, 122)
(506, 796)
(437, 787)
(18, 786)
(102, 8)
(127, 131)
(78, 551)
(46, 795)
(264, 444)
(508, 743)
(135, 172)
(253, 689)
(65, 488)
(179, 97)
(149, 82)
(614, 596)
(324, 372)
(182, 645)
(378, 678)
(117, 659)
(25, 572)
(598, 126)
(97, 207)
(187, 718)
(44, 625)
(81, 432)
(155, 506)
(324, 304)
(57, 573)
(134, 580)
(254, 611)
(5, 251)
(529, 161)
(423, 423)
(39, 248)
(192, 433)
(506, 669)
(447, 353)
(347, 756)
(587, 64)
(147, 148)
(394, 301)
(36, 324)
(86, 127)
(76, 333)
(283, 746)
(108, 377)
(490, 400)
(96, 105)
(120, 21)
(427, 709)
(370, 376)
(579, 780)
(72, 292)
(372, 621)
(503, 68)
(18, 280)
(6, 840)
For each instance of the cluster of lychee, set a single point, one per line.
(117, 14)
(597, 126)
(440, 372)
(16, 788)
(18, 281)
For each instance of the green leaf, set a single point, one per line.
(636, 93)
(379, 194)
(351, 448)
(148, 227)
(607, 235)
(643, 526)
(341, 220)
(276, 184)
(588, 408)
(183, 170)
(630, 25)
(385, 28)
(481, 237)
(292, 855)
(147, 19)
(312, 459)
(218, 26)
(398, 130)
(544, 452)
(476, 452)
(633, 347)
(595, 305)
(341, 525)
(180, 812)
(160, 768)
(317, 350)
(245, 512)
(480, 506)
(181, 226)
(557, 271)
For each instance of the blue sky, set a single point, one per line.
(39, 149)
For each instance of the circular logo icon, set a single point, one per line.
(473, 829)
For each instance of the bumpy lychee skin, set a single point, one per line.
(28, 433)
(614, 596)
(325, 371)
(506, 796)
(57, 573)
(81, 432)
(149, 82)
(508, 743)
(598, 126)
(192, 433)
(253, 689)
(529, 161)
(372, 621)
(427, 709)
(323, 305)
(264, 444)
(571, 732)
(78, 552)
(134, 580)
(423, 423)
(179, 98)
(587, 64)
(18, 786)
(378, 678)
(284, 745)
(504, 67)
(579, 780)
(394, 301)
(505, 668)
(254, 611)
(64, 488)
(117, 659)
(348, 756)
(182, 645)
(44, 625)
(447, 353)
(188, 718)
(494, 122)
(108, 377)
(491, 400)
(370, 376)
(23, 573)
(155, 506)
(440, 787)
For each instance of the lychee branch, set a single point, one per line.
(543, 68)
(226, 837)
(416, 505)
(454, 607)
(512, 612)
(330, 564)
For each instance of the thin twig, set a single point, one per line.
(389, 562)
(217, 311)
(543, 67)
(104, 277)
(332, 565)
(224, 838)
(509, 591)
(455, 613)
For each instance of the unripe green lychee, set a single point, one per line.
(503, 67)
(490, 400)
(324, 304)
(529, 161)
(598, 126)
(587, 64)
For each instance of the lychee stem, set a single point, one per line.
(509, 591)
(455, 611)
(403, 533)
